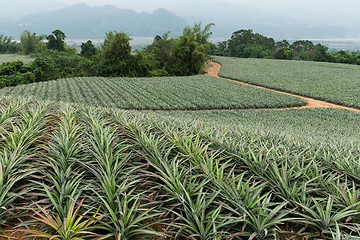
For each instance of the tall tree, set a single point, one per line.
(185, 55)
(29, 42)
(8, 45)
(56, 40)
(88, 49)
(160, 55)
(245, 43)
(116, 48)
(303, 49)
(116, 58)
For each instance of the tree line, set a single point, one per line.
(247, 44)
(166, 56)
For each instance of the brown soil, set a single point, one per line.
(213, 69)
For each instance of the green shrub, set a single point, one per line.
(16, 79)
(11, 67)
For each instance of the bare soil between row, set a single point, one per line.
(213, 69)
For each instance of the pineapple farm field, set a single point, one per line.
(166, 93)
(333, 82)
(335, 126)
(88, 158)
(107, 173)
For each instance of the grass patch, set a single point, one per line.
(4, 58)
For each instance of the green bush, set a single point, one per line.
(16, 79)
(11, 67)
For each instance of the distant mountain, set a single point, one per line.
(229, 17)
(81, 21)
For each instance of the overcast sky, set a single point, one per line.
(149, 5)
(327, 11)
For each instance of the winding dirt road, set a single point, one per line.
(213, 69)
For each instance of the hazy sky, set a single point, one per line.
(291, 5)
(149, 5)
(323, 11)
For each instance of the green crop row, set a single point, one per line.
(80, 172)
(167, 93)
(333, 82)
(303, 126)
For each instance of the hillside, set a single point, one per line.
(83, 21)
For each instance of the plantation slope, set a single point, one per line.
(213, 69)
(167, 93)
(71, 171)
(336, 83)
(312, 126)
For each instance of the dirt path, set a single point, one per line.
(213, 69)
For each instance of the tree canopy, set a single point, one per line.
(184, 55)
(56, 40)
(247, 44)
(8, 45)
(30, 42)
(88, 49)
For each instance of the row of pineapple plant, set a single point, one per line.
(74, 172)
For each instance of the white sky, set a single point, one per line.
(150, 5)
(325, 11)
(283, 4)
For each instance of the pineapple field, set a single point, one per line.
(162, 93)
(95, 161)
(332, 82)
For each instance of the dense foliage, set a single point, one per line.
(185, 55)
(246, 44)
(31, 43)
(111, 174)
(195, 92)
(88, 49)
(56, 40)
(8, 45)
(15, 73)
(116, 59)
(49, 65)
(337, 83)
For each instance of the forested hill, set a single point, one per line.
(83, 21)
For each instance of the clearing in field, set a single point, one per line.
(4, 58)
